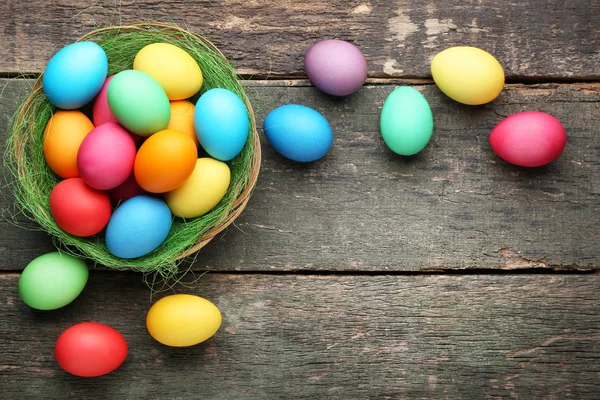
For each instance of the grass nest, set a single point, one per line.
(32, 180)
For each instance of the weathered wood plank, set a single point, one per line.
(532, 39)
(313, 337)
(456, 205)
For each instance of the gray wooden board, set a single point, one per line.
(343, 337)
(456, 205)
(532, 39)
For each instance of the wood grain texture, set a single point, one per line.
(532, 39)
(342, 337)
(455, 205)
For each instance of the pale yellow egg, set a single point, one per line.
(202, 191)
(172, 67)
(468, 75)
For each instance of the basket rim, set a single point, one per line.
(243, 198)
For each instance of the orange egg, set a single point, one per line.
(182, 118)
(62, 137)
(165, 161)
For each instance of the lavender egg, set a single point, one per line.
(336, 67)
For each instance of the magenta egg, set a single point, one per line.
(106, 156)
(336, 67)
(101, 113)
(529, 139)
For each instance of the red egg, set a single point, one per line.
(106, 156)
(126, 190)
(90, 349)
(529, 139)
(79, 209)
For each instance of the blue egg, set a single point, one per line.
(221, 123)
(75, 75)
(138, 226)
(298, 132)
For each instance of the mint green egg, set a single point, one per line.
(52, 281)
(138, 102)
(406, 121)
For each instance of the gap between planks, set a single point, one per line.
(297, 80)
(317, 273)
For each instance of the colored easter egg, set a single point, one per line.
(106, 156)
(125, 190)
(406, 121)
(529, 139)
(138, 102)
(52, 281)
(298, 132)
(182, 320)
(468, 75)
(138, 226)
(62, 137)
(182, 118)
(221, 123)
(75, 75)
(336, 67)
(101, 113)
(202, 191)
(79, 209)
(90, 349)
(174, 69)
(165, 161)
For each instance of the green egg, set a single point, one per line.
(52, 281)
(138, 102)
(406, 121)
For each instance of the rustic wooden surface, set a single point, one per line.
(454, 206)
(344, 337)
(532, 39)
(365, 275)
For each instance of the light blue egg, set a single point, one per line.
(138, 226)
(221, 123)
(298, 132)
(75, 75)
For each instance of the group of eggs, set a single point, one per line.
(140, 151)
(90, 349)
(467, 75)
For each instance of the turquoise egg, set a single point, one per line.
(139, 102)
(138, 226)
(406, 121)
(221, 123)
(298, 132)
(75, 75)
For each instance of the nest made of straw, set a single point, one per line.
(32, 180)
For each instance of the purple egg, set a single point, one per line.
(336, 67)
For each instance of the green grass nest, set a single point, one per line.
(32, 180)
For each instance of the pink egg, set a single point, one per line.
(106, 156)
(336, 67)
(529, 139)
(126, 190)
(101, 113)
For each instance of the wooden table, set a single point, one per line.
(450, 274)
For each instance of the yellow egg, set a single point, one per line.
(202, 191)
(468, 75)
(182, 320)
(174, 69)
(182, 118)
